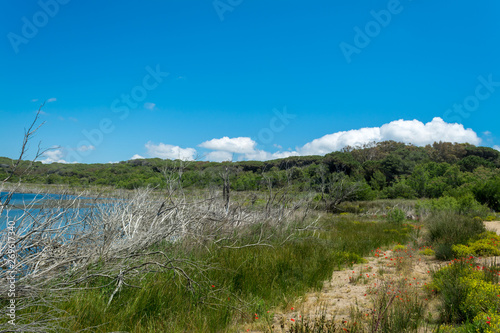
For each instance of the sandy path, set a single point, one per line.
(493, 226)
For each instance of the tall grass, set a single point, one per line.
(233, 286)
(446, 229)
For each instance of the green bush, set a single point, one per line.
(396, 216)
(488, 245)
(464, 204)
(461, 251)
(448, 229)
(466, 291)
(488, 193)
(427, 252)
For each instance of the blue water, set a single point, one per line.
(21, 200)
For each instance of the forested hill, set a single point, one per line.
(382, 170)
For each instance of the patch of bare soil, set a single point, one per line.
(493, 226)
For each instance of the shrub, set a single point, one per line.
(396, 216)
(487, 245)
(464, 204)
(489, 193)
(461, 251)
(481, 297)
(487, 322)
(444, 251)
(448, 229)
(399, 247)
(427, 252)
(466, 291)
(452, 290)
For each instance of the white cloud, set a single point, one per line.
(496, 147)
(420, 134)
(53, 156)
(258, 155)
(165, 151)
(34, 100)
(149, 106)
(240, 145)
(338, 140)
(84, 148)
(408, 131)
(284, 154)
(137, 157)
(219, 156)
(50, 100)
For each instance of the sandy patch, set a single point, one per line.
(493, 226)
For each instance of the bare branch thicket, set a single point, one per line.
(60, 241)
(67, 244)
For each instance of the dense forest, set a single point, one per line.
(379, 170)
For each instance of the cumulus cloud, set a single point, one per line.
(262, 155)
(149, 106)
(50, 100)
(219, 156)
(240, 145)
(420, 134)
(408, 131)
(284, 154)
(496, 147)
(84, 148)
(165, 151)
(53, 156)
(137, 157)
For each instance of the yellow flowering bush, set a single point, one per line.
(487, 245)
(481, 296)
(399, 247)
(462, 251)
(427, 252)
(487, 322)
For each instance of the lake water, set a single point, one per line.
(21, 200)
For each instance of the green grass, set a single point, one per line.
(446, 229)
(240, 283)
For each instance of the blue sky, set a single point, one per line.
(239, 79)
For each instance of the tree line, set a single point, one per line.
(385, 169)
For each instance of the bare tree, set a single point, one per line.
(17, 164)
